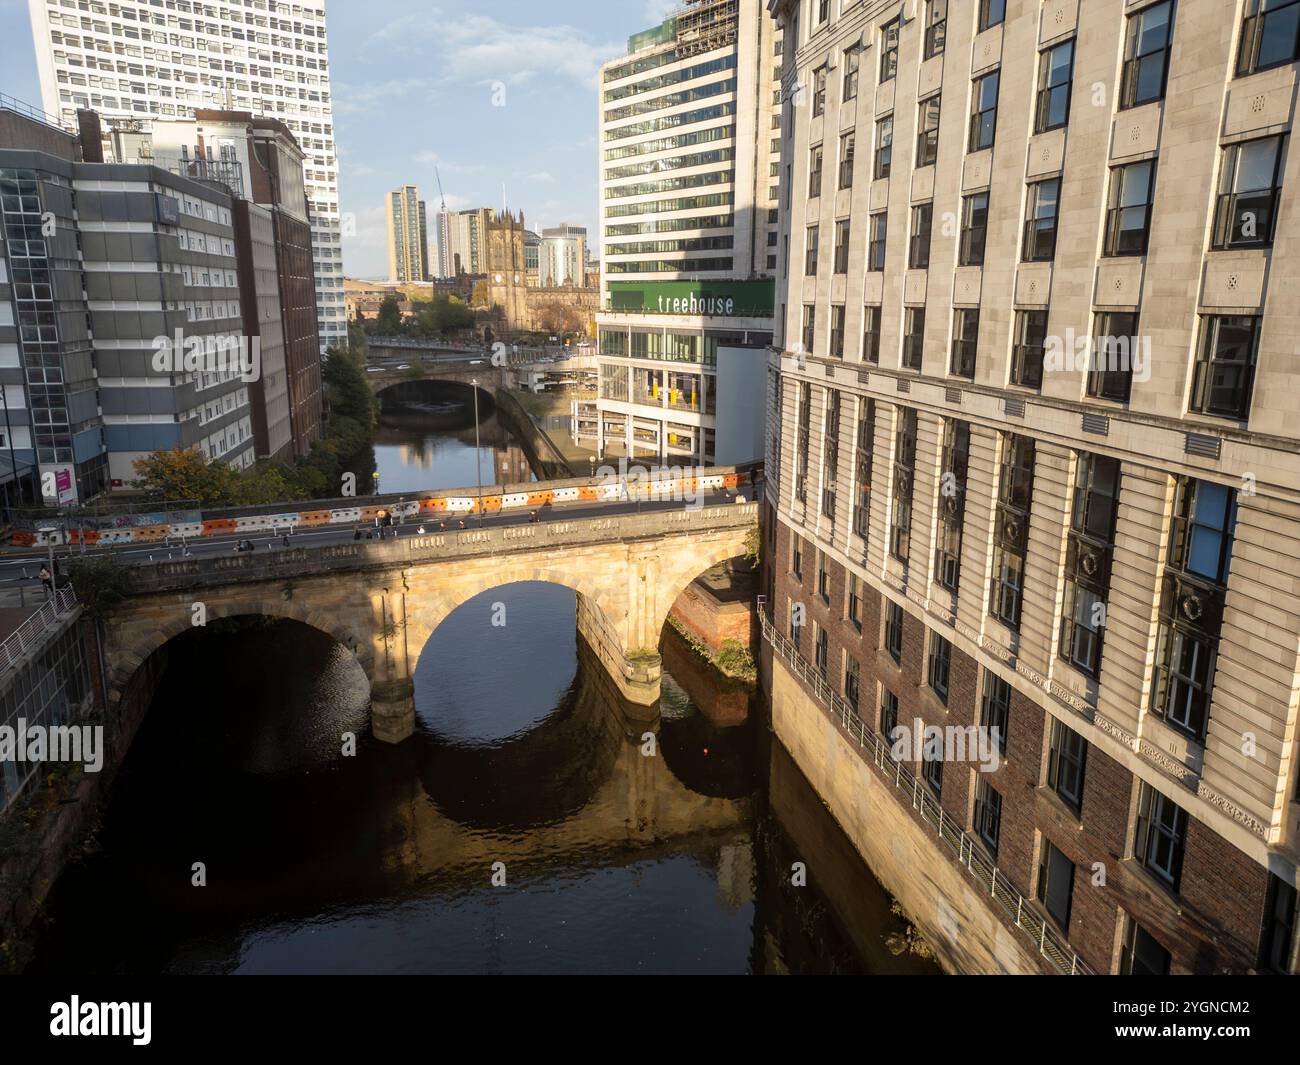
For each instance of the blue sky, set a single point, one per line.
(413, 88)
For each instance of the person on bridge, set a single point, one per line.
(47, 580)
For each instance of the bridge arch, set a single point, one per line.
(682, 562)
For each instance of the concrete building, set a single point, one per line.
(408, 236)
(562, 257)
(466, 241)
(1034, 465)
(688, 188)
(135, 59)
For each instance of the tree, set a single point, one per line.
(99, 581)
(389, 321)
(184, 474)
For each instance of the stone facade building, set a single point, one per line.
(1034, 463)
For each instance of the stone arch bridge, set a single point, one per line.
(384, 599)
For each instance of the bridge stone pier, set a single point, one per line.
(383, 599)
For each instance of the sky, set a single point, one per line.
(499, 95)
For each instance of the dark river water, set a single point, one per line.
(527, 827)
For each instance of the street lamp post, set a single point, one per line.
(478, 454)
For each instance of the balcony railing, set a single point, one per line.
(28, 636)
(962, 848)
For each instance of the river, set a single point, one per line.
(525, 828)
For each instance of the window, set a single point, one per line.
(927, 138)
(1161, 836)
(819, 91)
(1092, 529)
(918, 252)
(932, 769)
(1270, 36)
(889, 51)
(820, 650)
(852, 676)
(796, 623)
(884, 147)
(842, 246)
(815, 172)
(992, 12)
(853, 603)
(846, 161)
(936, 27)
(939, 666)
(863, 466)
(796, 558)
(914, 338)
(965, 337)
(1250, 183)
(952, 501)
(823, 578)
(1114, 356)
(1011, 533)
(1055, 72)
(888, 715)
(995, 708)
(984, 112)
(1028, 342)
(894, 631)
(1142, 955)
(809, 326)
(1191, 603)
(823, 11)
(810, 253)
(1279, 925)
(1042, 208)
(988, 815)
(871, 334)
(904, 473)
(1128, 219)
(974, 229)
(1225, 366)
(1146, 55)
(852, 62)
(1055, 883)
(876, 243)
(1066, 760)
(837, 329)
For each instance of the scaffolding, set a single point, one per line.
(703, 25)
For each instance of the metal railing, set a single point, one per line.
(29, 635)
(20, 107)
(970, 856)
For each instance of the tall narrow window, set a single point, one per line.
(1066, 762)
(927, 137)
(1115, 356)
(1146, 55)
(853, 602)
(884, 147)
(876, 243)
(1055, 73)
(888, 716)
(852, 678)
(842, 234)
(932, 769)
(995, 708)
(992, 12)
(1161, 836)
(984, 112)
(965, 340)
(809, 326)
(837, 331)
(889, 50)
(821, 651)
(952, 501)
(1128, 218)
(866, 442)
(802, 445)
(974, 229)
(819, 91)
(1270, 36)
(894, 631)
(1011, 533)
(810, 252)
(1055, 883)
(846, 161)
(1225, 366)
(830, 460)
(987, 821)
(914, 338)
(1028, 342)
(815, 172)
(1279, 925)
(852, 63)
(871, 334)
(1041, 209)
(918, 256)
(904, 474)
(936, 27)
(1191, 603)
(1088, 559)
(1250, 183)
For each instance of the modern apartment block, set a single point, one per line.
(408, 236)
(688, 190)
(562, 257)
(463, 241)
(1034, 464)
(140, 59)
